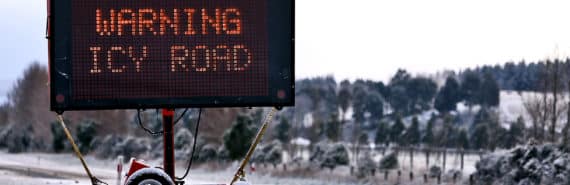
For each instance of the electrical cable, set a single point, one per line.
(193, 146)
(153, 133)
(157, 133)
(181, 116)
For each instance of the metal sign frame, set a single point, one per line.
(281, 56)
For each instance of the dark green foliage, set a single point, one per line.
(382, 133)
(366, 97)
(518, 77)
(131, 147)
(421, 91)
(274, 154)
(58, 136)
(269, 153)
(462, 139)
(483, 115)
(374, 104)
(207, 153)
(323, 94)
(503, 138)
(517, 131)
(223, 153)
(446, 137)
(411, 95)
(17, 141)
(86, 132)
(238, 138)
(389, 161)
(360, 101)
(489, 92)
(344, 97)
(448, 96)
(382, 89)
(107, 148)
(480, 137)
(396, 131)
(398, 91)
(183, 139)
(412, 134)
(363, 139)
(333, 127)
(428, 137)
(470, 87)
(282, 130)
(334, 156)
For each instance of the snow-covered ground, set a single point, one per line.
(38, 168)
(512, 106)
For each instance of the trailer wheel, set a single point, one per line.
(149, 176)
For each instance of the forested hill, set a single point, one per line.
(521, 76)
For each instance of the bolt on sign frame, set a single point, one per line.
(136, 54)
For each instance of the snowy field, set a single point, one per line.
(36, 168)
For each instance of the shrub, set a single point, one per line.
(389, 161)
(85, 134)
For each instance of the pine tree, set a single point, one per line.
(428, 137)
(462, 139)
(480, 137)
(396, 131)
(333, 130)
(469, 87)
(489, 91)
(85, 134)
(282, 131)
(412, 135)
(448, 96)
(517, 131)
(238, 138)
(344, 98)
(58, 136)
(382, 134)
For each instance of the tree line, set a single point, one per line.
(391, 109)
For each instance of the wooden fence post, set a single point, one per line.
(462, 154)
(412, 159)
(427, 158)
(444, 157)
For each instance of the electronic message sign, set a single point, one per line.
(118, 54)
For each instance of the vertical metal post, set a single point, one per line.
(168, 137)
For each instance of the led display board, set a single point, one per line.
(121, 54)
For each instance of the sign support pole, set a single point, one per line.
(168, 137)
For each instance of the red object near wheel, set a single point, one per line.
(135, 166)
(149, 176)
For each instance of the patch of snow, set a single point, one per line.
(300, 141)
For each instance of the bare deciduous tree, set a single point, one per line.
(547, 107)
(537, 110)
(566, 128)
(555, 74)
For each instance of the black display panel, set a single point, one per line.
(120, 54)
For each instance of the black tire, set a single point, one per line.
(149, 176)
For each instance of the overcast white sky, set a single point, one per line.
(363, 38)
